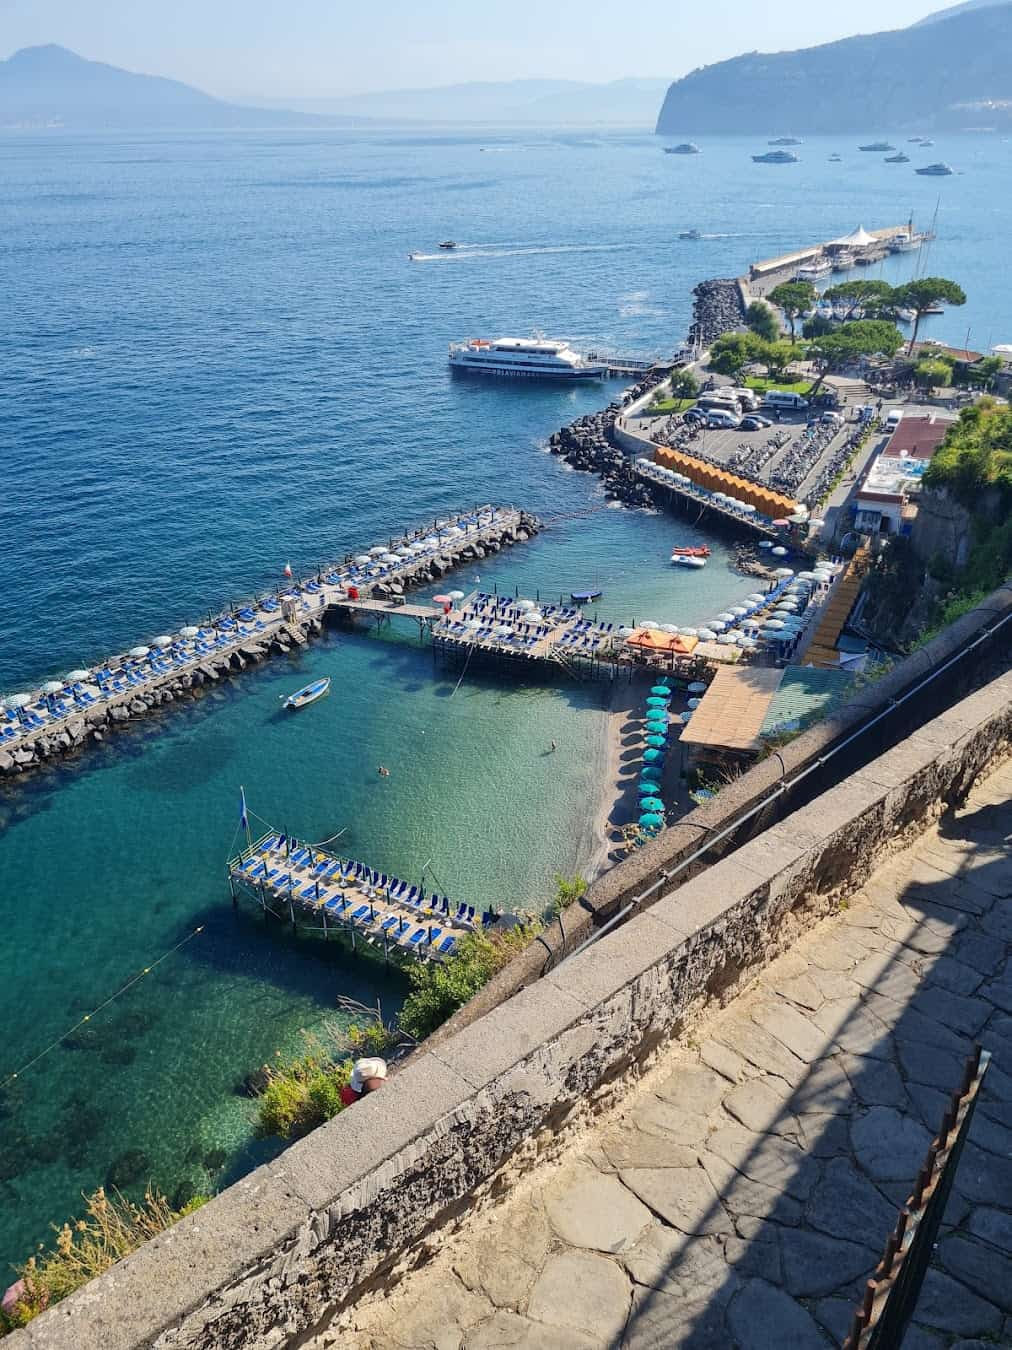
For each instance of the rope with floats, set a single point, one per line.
(6, 1082)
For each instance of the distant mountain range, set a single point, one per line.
(46, 86)
(51, 86)
(958, 9)
(629, 102)
(950, 73)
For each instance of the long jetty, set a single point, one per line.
(65, 715)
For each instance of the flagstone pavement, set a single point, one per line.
(741, 1195)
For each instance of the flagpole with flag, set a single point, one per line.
(244, 818)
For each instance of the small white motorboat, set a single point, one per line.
(309, 694)
(686, 560)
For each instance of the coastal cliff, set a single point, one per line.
(956, 73)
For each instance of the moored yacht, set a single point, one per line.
(814, 271)
(935, 170)
(527, 358)
(775, 157)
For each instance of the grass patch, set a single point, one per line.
(764, 386)
(671, 405)
(85, 1248)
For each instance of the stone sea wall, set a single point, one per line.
(593, 444)
(343, 1211)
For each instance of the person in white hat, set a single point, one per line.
(366, 1076)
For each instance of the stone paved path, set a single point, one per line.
(740, 1198)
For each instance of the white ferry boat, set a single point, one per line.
(530, 358)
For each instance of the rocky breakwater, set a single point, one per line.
(95, 724)
(435, 568)
(717, 308)
(588, 444)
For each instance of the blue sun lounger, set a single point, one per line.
(337, 904)
(360, 913)
(447, 945)
(299, 857)
(389, 922)
(416, 937)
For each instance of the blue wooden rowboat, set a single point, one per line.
(302, 697)
(582, 597)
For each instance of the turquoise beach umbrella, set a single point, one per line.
(650, 773)
(657, 728)
(651, 804)
(651, 821)
(660, 690)
(653, 755)
(658, 742)
(654, 702)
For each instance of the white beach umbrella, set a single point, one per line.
(52, 687)
(688, 632)
(697, 687)
(726, 639)
(189, 631)
(669, 628)
(76, 675)
(362, 559)
(455, 595)
(755, 598)
(779, 552)
(649, 623)
(717, 625)
(525, 604)
(403, 552)
(707, 634)
(139, 651)
(765, 543)
(472, 623)
(378, 550)
(783, 572)
(162, 640)
(739, 611)
(18, 700)
(727, 616)
(625, 632)
(775, 624)
(748, 508)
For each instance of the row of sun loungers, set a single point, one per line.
(298, 872)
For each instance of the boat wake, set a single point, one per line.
(464, 251)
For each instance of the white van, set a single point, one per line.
(723, 399)
(779, 398)
(748, 398)
(723, 418)
(893, 418)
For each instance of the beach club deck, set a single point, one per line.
(62, 705)
(297, 881)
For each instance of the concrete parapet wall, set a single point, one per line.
(283, 1251)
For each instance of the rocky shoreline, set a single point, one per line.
(717, 308)
(588, 444)
(96, 724)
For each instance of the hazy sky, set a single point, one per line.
(320, 47)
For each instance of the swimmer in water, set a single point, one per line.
(383, 772)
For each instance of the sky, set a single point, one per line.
(318, 48)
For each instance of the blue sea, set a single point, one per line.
(216, 358)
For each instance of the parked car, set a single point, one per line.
(831, 418)
(718, 417)
(753, 422)
(693, 416)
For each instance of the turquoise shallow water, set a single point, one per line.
(218, 358)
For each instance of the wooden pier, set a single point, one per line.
(320, 892)
(692, 494)
(58, 714)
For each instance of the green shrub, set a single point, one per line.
(85, 1248)
(567, 891)
(440, 988)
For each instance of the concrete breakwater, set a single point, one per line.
(589, 444)
(717, 308)
(64, 717)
